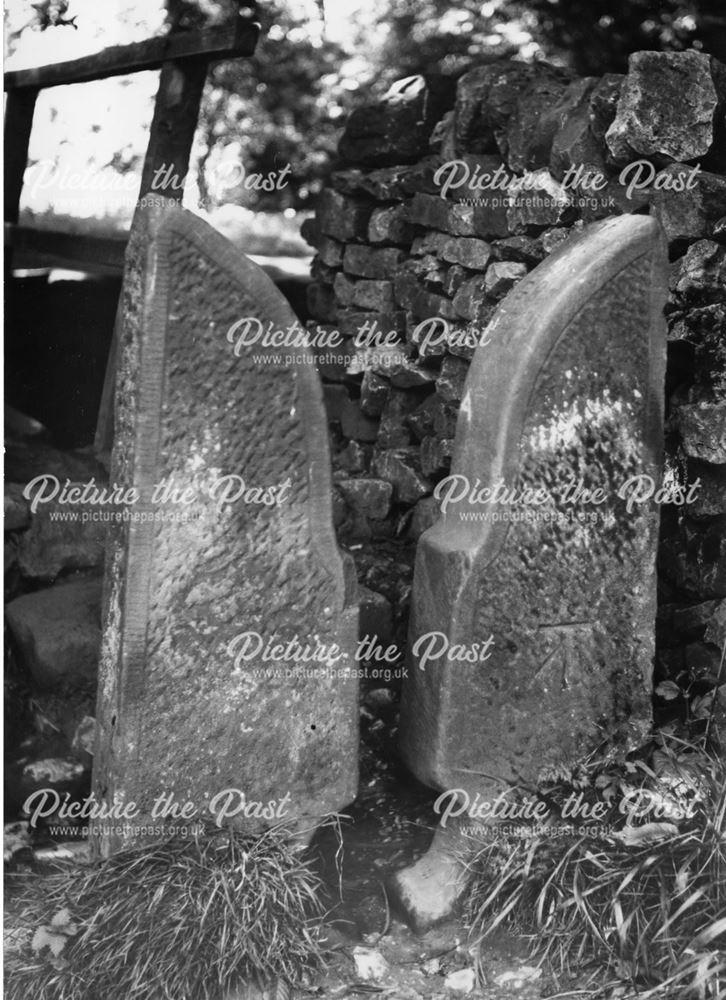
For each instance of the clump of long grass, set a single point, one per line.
(637, 902)
(186, 918)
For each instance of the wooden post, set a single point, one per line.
(18, 123)
(176, 112)
(172, 128)
(167, 158)
(183, 57)
(19, 110)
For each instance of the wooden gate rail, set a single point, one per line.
(183, 58)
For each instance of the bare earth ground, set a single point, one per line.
(390, 826)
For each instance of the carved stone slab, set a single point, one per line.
(231, 539)
(568, 390)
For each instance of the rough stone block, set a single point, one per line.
(435, 212)
(450, 383)
(470, 297)
(425, 515)
(188, 704)
(322, 272)
(435, 416)
(501, 276)
(574, 144)
(16, 509)
(334, 399)
(331, 364)
(376, 616)
(537, 200)
(694, 560)
(421, 420)
(692, 213)
(702, 427)
(428, 891)
(710, 498)
(344, 288)
(395, 183)
(394, 364)
(396, 129)
(374, 295)
(352, 458)
(445, 419)
(374, 392)
(704, 327)
(537, 117)
(454, 278)
(692, 622)
(402, 468)
(441, 140)
(321, 301)
(666, 107)
(490, 215)
(394, 432)
(522, 249)
(58, 632)
(10, 562)
(430, 270)
(430, 243)
(330, 251)
(53, 545)
(389, 225)
(379, 360)
(604, 103)
(371, 262)
(412, 295)
(701, 274)
(370, 327)
(436, 456)
(24, 460)
(716, 626)
(486, 97)
(468, 252)
(355, 424)
(367, 497)
(341, 217)
(703, 662)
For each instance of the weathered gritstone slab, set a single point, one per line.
(569, 388)
(182, 708)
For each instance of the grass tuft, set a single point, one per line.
(186, 918)
(637, 902)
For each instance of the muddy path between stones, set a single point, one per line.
(389, 826)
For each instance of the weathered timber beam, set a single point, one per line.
(222, 42)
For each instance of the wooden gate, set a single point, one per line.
(183, 58)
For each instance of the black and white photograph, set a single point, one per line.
(365, 500)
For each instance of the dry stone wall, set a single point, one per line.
(405, 282)
(443, 202)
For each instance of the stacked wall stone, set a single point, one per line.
(53, 587)
(420, 237)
